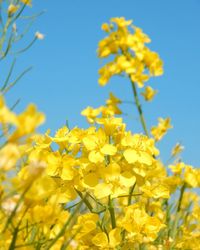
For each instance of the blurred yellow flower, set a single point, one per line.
(149, 93)
(163, 126)
(12, 9)
(177, 149)
(27, 2)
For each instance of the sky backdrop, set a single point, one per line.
(65, 74)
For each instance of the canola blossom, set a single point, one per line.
(103, 187)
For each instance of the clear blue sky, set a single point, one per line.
(64, 78)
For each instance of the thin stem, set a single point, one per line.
(14, 239)
(178, 214)
(62, 231)
(66, 244)
(181, 197)
(16, 80)
(74, 205)
(13, 213)
(9, 75)
(15, 104)
(84, 199)
(10, 40)
(15, 233)
(131, 194)
(99, 203)
(27, 47)
(135, 194)
(4, 33)
(139, 108)
(34, 16)
(112, 212)
(18, 14)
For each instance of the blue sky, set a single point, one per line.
(65, 74)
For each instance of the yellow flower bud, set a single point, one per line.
(12, 9)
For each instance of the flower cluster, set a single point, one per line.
(127, 43)
(103, 187)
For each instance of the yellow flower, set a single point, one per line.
(90, 180)
(113, 100)
(111, 125)
(27, 2)
(62, 166)
(61, 137)
(139, 78)
(115, 237)
(162, 128)
(140, 150)
(98, 146)
(121, 21)
(131, 56)
(7, 116)
(85, 225)
(153, 62)
(108, 149)
(105, 27)
(177, 149)
(9, 155)
(91, 113)
(138, 222)
(152, 226)
(106, 242)
(100, 240)
(192, 176)
(156, 190)
(12, 9)
(101, 187)
(177, 169)
(102, 190)
(28, 121)
(149, 93)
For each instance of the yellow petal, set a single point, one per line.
(115, 237)
(102, 190)
(95, 157)
(108, 149)
(90, 143)
(131, 155)
(100, 240)
(127, 179)
(67, 173)
(145, 158)
(111, 171)
(91, 180)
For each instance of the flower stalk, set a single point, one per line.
(139, 108)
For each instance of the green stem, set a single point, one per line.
(85, 201)
(4, 33)
(14, 239)
(130, 194)
(62, 231)
(181, 197)
(15, 233)
(112, 212)
(13, 213)
(139, 108)
(129, 203)
(5, 90)
(28, 46)
(178, 214)
(9, 75)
